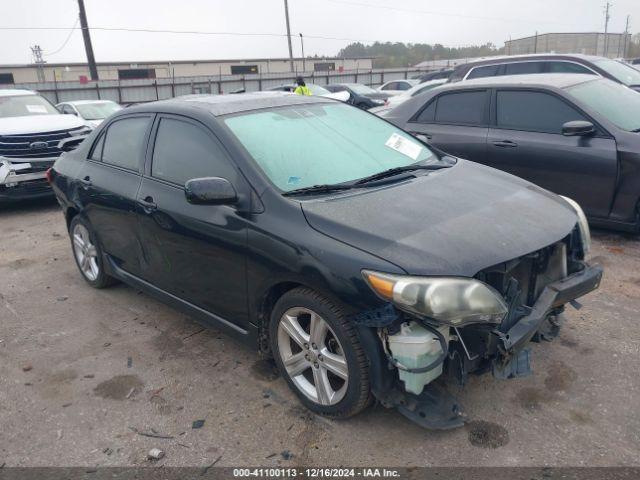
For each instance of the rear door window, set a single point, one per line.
(391, 86)
(125, 141)
(461, 108)
(522, 68)
(533, 111)
(184, 150)
(486, 71)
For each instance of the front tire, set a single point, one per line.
(318, 353)
(88, 254)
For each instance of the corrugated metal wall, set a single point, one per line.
(148, 90)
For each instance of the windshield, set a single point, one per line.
(361, 89)
(97, 111)
(617, 103)
(318, 90)
(305, 145)
(620, 71)
(23, 105)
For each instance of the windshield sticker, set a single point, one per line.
(293, 180)
(36, 108)
(404, 146)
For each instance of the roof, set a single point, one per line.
(612, 34)
(85, 102)
(234, 103)
(14, 92)
(558, 80)
(535, 56)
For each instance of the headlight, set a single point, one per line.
(454, 301)
(583, 225)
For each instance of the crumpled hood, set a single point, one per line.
(455, 221)
(38, 124)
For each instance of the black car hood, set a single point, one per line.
(455, 221)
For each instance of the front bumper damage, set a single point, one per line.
(22, 178)
(482, 348)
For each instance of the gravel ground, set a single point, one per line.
(84, 374)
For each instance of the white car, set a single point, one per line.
(93, 112)
(412, 92)
(397, 87)
(33, 134)
(315, 90)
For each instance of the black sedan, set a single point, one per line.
(360, 95)
(366, 263)
(576, 135)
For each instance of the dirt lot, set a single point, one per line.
(81, 371)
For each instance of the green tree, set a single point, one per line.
(389, 55)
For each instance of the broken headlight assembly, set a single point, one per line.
(448, 300)
(583, 225)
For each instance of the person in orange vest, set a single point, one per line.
(302, 88)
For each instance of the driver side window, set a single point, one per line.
(184, 150)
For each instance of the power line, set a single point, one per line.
(199, 32)
(444, 14)
(64, 44)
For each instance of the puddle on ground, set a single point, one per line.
(118, 387)
(560, 377)
(487, 434)
(531, 398)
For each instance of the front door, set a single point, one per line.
(527, 141)
(108, 186)
(195, 252)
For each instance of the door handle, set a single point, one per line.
(505, 144)
(147, 204)
(86, 182)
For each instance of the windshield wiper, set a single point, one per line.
(395, 171)
(326, 188)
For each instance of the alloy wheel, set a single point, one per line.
(312, 356)
(85, 252)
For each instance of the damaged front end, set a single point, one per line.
(439, 328)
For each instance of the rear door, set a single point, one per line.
(108, 183)
(526, 140)
(456, 122)
(195, 252)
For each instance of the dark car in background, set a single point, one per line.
(575, 135)
(439, 75)
(360, 95)
(549, 63)
(362, 260)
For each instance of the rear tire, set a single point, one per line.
(88, 253)
(317, 351)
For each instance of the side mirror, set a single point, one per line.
(210, 191)
(578, 128)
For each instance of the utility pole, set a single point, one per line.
(286, 15)
(625, 52)
(93, 70)
(606, 28)
(36, 51)
(304, 64)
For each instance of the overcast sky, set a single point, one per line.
(452, 23)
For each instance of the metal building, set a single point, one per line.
(64, 72)
(612, 45)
